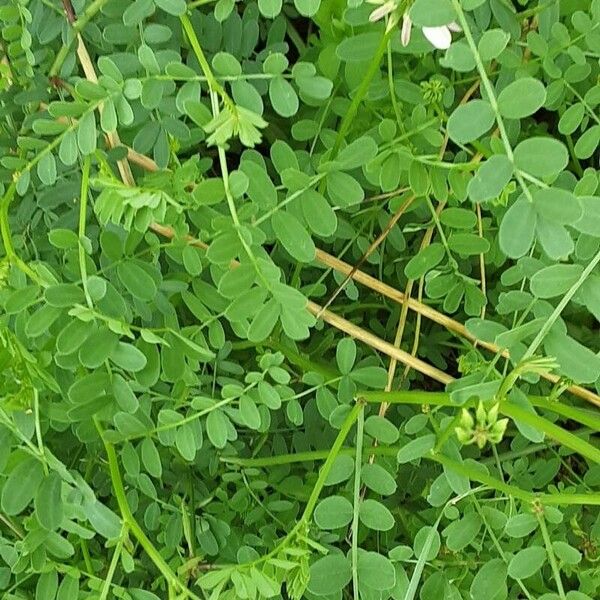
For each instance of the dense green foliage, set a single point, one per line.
(196, 402)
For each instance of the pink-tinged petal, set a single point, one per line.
(382, 11)
(440, 37)
(406, 27)
(454, 27)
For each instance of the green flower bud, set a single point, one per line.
(466, 420)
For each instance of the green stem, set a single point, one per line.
(438, 226)
(217, 90)
(564, 437)
(333, 453)
(489, 89)
(214, 85)
(76, 28)
(9, 249)
(473, 474)
(363, 88)
(356, 508)
(313, 181)
(551, 556)
(131, 522)
(539, 338)
(508, 409)
(498, 546)
(308, 456)
(113, 564)
(38, 430)
(85, 184)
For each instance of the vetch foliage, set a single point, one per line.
(299, 299)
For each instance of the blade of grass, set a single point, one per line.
(556, 432)
(357, 500)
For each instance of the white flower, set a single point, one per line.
(440, 37)
(384, 9)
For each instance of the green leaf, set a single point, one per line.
(460, 533)
(151, 458)
(264, 321)
(86, 133)
(283, 96)
(293, 236)
(458, 218)
(318, 214)
(21, 486)
(521, 525)
(63, 295)
(426, 259)
(490, 179)
(427, 543)
(576, 360)
(173, 7)
(521, 98)
(345, 355)
(571, 118)
(468, 244)
(375, 572)
(343, 189)
(358, 48)
(47, 586)
(96, 349)
(432, 13)
(216, 428)
(329, 575)
(68, 148)
(470, 121)
(333, 512)
(517, 228)
(48, 502)
(46, 169)
(307, 8)
(527, 562)
(490, 581)
(249, 412)
(492, 43)
(541, 156)
(269, 8)
(376, 478)
(566, 553)
(136, 280)
(416, 448)
(586, 145)
(554, 280)
(128, 357)
(557, 205)
(381, 429)
(102, 519)
(375, 515)
(275, 64)
(357, 153)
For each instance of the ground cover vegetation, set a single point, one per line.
(299, 299)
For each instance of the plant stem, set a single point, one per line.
(489, 90)
(561, 306)
(130, 521)
(113, 564)
(360, 423)
(83, 198)
(335, 449)
(363, 88)
(76, 28)
(551, 556)
(9, 249)
(38, 430)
